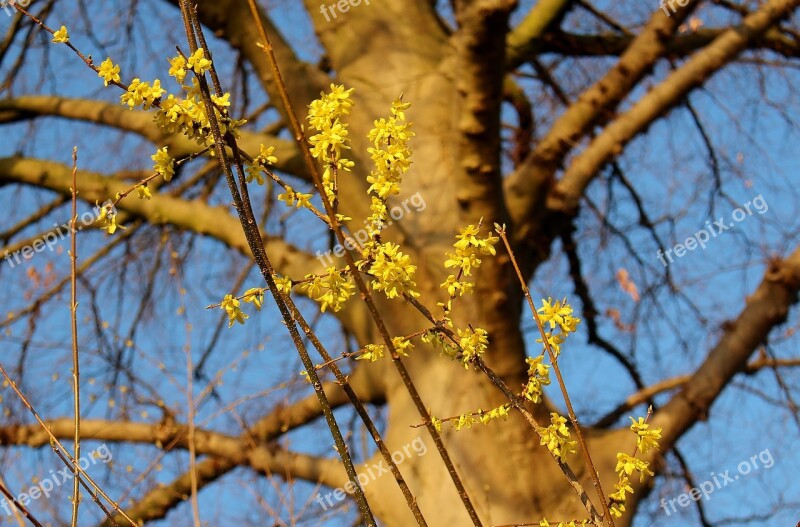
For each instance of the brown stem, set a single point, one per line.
(584, 449)
(73, 308)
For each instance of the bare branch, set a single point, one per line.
(765, 309)
(697, 70)
(141, 123)
(195, 216)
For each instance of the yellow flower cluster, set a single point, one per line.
(231, 305)
(470, 418)
(473, 344)
(558, 314)
(108, 72)
(557, 437)
(189, 116)
(332, 289)
(392, 271)
(295, 199)
(646, 440)
(402, 345)
(177, 68)
(142, 93)
(164, 164)
(629, 464)
(467, 248)
(389, 152)
(538, 376)
(198, 62)
(255, 170)
(255, 296)
(374, 352)
(284, 284)
(325, 117)
(232, 309)
(108, 219)
(61, 36)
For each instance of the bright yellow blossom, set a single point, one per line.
(61, 36)
(108, 71)
(144, 191)
(628, 464)
(392, 271)
(646, 439)
(164, 165)
(198, 62)
(557, 437)
(255, 296)
(372, 352)
(108, 219)
(473, 342)
(331, 290)
(142, 93)
(177, 68)
(231, 307)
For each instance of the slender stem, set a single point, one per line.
(609, 520)
(62, 452)
(76, 386)
(11, 499)
(191, 410)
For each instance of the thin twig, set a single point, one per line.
(191, 406)
(19, 506)
(62, 452)
(76, 386)
(584, 449)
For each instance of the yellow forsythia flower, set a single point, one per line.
(144, 191)
(372, 352)
(141, 93)
(198, 62)
(646, 439)
(628, 464)
(392, 271)
(231, 307)
(109, 72)
(164, 165)
(255, 296)
(61, 36)
(177, 68)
